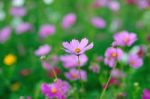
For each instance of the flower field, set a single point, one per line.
(75, 49)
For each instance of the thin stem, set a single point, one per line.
(104, 90)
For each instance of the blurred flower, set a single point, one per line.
(146, 94)
(112, 55)
(142, 4)
(139, 50)
(115, 25)
(48, 1)
(76, 47)
(43, 50)
(25, 72)
(113, 81)
(148, 37)
(116, 73)
(46, 65)
(135, 61)
(70, 61)
(18, 3)
(114, 5)
(15, 86)
(100, 59)
(59, 89)
(18, 11)
(52, 70)
(9, 59)
(23, 27)
(75, 74)
(94, 67)
(100, 3)
(98, 22)
(125, 38)
(68, 20)
(5, 34)
(46, 30)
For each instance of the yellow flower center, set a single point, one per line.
(77, 50)
(74, 75)
(126, 39)
(132, 62)
(9, 59)
(114, 54)
(54, 90)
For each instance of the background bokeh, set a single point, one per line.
(24, 77)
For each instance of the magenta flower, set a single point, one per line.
(46, 30)
(68, 20)
(76, 47)
(95, 68)
(43, 50)
(23, 27)
(112, 55)
(59, 89)
(75, 74)
(116, 73)
(98, 22)
(125, 38)
(18, 11)
(146, 94)
(71, 61)
(135, 61)
(5, 34)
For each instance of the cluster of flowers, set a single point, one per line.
(114, 53)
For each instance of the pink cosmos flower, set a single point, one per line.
(18, 11)
(135, 61)
(116, 73)
(95, 68)
(5, 34)
(114, 5)
(146, 94)
(98, 22)
(125, 38)
(43, 50)
(59, 89)
(23, 27)
(75, 74)
(46, 65)
(76, 47)
(71, 61)
(46, 30)
(68, 20)
(112, 55)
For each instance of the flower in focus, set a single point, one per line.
(146, 94)
(75, 74)
(125, 38)
(43, 50)
(5, 34)
(135, 61)
(46, 30)
(76, 47)
(68, 20)
(71, 61)
(9, 59)
(112, 55)
(94, 68)
(59, 89)
(18, 11)
(23, 27)
(98, 22)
